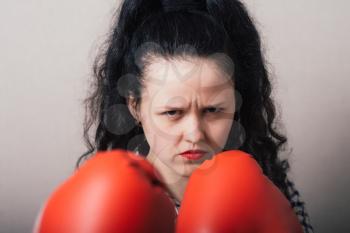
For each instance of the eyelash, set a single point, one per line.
(217, 111)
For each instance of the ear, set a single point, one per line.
(132, 105)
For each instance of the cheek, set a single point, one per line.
(219, 131)
(159, 139)
(164, 126)
(157, 126)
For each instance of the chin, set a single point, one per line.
(187, 169)
(185, 174)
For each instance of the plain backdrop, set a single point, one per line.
(46, 53)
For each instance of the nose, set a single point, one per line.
(194, 131)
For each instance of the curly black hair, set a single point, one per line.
(156, 27)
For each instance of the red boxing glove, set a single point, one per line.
(230, 194)
(114, 191)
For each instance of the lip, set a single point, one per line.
(193, 154)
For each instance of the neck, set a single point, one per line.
(175, 182)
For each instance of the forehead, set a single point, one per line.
(182, 76)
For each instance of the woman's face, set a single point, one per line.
(186, 104)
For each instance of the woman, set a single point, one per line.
(186, 75)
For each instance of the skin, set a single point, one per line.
(179, 112)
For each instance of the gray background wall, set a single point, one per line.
(46, 51)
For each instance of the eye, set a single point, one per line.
(213, 110)
(171, 113)
(175, 113)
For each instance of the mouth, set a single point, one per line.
(193, 154)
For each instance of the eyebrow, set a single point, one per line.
(220, 104)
